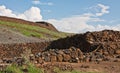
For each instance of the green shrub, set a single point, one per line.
(33, 69)
(17, 69)
(13, 69)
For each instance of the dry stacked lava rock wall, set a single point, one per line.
(16, 49)
(91, 46)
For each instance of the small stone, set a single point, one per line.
(66, 58)
(59, 58)
(53, 58)
(117, 51)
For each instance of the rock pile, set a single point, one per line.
(107, 41)
(54, 55)
(88, 47)
(91, 46)
(73, 55)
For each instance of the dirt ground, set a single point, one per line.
(102, 67)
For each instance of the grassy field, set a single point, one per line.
(33, 31)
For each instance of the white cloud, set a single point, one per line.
(98, 10)
(32, 14)
(75, 24)
(79, 24)
(42, 3)
(104, 10)
(36, 2)
(6, 12)
(46, 3)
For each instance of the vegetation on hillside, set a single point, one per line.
(33, 31)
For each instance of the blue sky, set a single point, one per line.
(67, 15)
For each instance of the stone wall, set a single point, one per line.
(16, 49)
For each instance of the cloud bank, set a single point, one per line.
(79, 24)
(32, 14)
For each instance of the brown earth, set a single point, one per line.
(103, 67)
(41, 24)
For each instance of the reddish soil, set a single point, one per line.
(102, 67)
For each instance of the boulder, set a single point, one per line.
(117, 51)
(47, 58)
(40, 60)
(53, 58)
(66, 58)
(59, 58)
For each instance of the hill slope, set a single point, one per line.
(30, 29)
(8, 36)
(40, 24)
